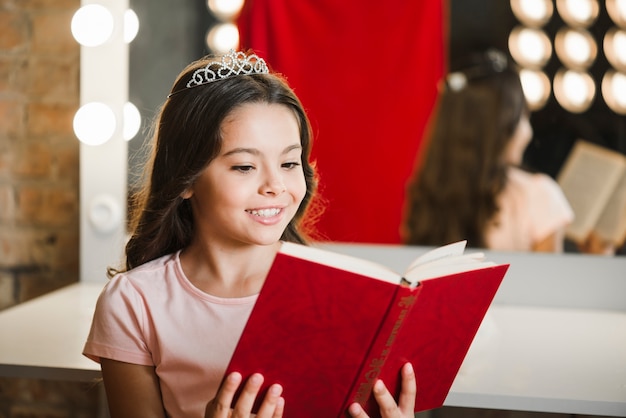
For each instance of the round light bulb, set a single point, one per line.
(225, 9)
(94, 123)
(617, 12)
(131, 25)
(574, 90)
(534, 13)
(223, 37)
(132, 121)
(536, 86)
(92, 25)
(578, 13)
(530, 47)
(576, 48)
(615, 48)
(613, 88)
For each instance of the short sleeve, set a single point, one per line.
(118, 329)
(549, 207)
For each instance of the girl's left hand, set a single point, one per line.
(388, 407)
(272, 405)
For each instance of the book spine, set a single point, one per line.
(381, 346)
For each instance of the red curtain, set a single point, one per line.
(367, 76)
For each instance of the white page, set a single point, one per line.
(588, 179)
(451, 254)
(341, 261)
(449, 250)
(612, 223)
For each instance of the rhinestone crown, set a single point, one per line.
(230, 65)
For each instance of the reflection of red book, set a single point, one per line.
(325, 330)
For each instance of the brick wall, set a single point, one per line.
(39, 94)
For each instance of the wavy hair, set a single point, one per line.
(186, 138)
(452, 194)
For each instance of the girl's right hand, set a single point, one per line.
(272, 407)
(388, 407)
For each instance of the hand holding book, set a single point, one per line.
(271, 406)
(385, 400)
(327, 327)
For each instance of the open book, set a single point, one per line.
(593, 179)
(327, 325)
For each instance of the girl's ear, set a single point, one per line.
(187, 193)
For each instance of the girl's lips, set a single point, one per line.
(266, 216)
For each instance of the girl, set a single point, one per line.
(470, 184)
(228, 179)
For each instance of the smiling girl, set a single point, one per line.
(229, 178)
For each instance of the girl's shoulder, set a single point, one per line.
(532, 182)
(541, 192)
(148, 277)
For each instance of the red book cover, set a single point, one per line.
(327, 333)
(437, 333)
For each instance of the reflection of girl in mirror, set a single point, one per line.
(469, 183)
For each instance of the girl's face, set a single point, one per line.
(514, 152)
(253, 188)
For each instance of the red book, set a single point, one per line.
(327, 325)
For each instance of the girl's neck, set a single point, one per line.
(228, 272)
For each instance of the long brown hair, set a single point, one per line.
(186, 138)
(452, 194)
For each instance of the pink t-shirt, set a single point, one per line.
(532, 206)
(154, 316)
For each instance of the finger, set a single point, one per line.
(248, 395)
(406, 401)
(220, 406)
(356, 411)
(270, 403)
(280, 408)
(386, 403)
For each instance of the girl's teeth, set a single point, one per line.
(265, 213)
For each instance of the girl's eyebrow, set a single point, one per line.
(254, 151)
(292, 148)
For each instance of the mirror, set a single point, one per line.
(171, 36)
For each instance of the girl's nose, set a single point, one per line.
(273, 185)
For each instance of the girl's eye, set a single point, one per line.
(291, 165)
(243, 168)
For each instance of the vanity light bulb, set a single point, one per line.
(574, 90)
(131, 25)
(613, 91)
(94, 123)
(225, 9)
(617, 12)
(530, 47)
(223, 37)
(578, 13)
(132, 121)
(619, 90)
(92, 25)
(576, 48)
(534, 13)
(536, 86)
(615, 48)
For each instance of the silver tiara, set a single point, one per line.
(496, 62)
(230, 65)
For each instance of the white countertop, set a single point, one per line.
(523, 358)
(546, 359)
(44, 337)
